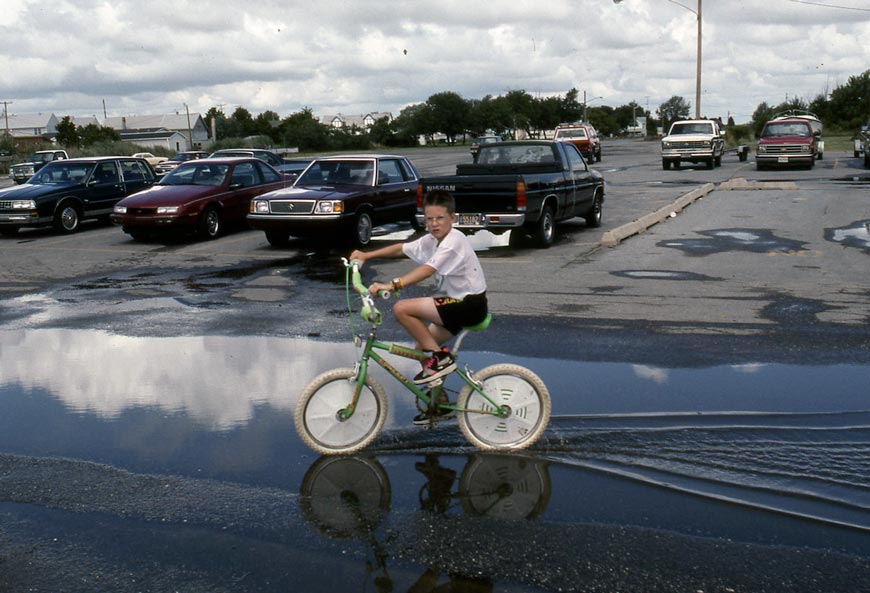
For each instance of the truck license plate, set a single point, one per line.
(782, 160)
(469, 219)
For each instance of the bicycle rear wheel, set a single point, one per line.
(525, 396)
(318, 419)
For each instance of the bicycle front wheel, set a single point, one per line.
(525, 398)
(319, 419)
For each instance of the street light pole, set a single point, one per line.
(697, 13)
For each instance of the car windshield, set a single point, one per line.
(338, 172)
(199, 172)
(691, 129)
(572, 133)
(44, 157)
(786, 129)
(487, 139)
(63, 172)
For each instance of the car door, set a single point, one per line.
(583, 183)
(245, 183)
(103, 190)
(136, 175)
(397, 187)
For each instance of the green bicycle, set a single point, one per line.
(502, 407)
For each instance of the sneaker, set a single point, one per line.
(438, 365)
(427, 418)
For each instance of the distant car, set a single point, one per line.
(693, 141)
(270, 157)
(152, 160)
(584, 137)
(339, 197)
(168, 165)
(475, 146)
(202, 195)
(21, 172)
(63, 193)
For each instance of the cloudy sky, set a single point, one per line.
(356, 56)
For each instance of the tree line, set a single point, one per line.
(517, 113)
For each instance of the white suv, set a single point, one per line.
(693, 141)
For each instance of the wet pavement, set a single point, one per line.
(710, 429)
(171, 463)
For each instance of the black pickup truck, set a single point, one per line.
(524, 187)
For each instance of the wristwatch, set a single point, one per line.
(396, 284)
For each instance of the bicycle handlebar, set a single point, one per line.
(369, 311)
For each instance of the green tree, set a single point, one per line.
(382, 133)
(304, 131)
(449, 113)
(94, 134)
(521, 105)
(673, 109)
(67, 134)
(761, 116)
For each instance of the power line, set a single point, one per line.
(829, 5)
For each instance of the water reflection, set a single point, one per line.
(349, 498)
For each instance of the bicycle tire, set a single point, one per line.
(514, 386)
(316, 415)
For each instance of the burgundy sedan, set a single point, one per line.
(202, 196)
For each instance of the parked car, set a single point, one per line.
(523, 187)
(168, 165)
(63, 193)
(788, 142)
(202, 195)
(292, 168)
(270, 157)
(584, 137)
(693, 141)
(152, 160)
(21, 172)
(342, 197)
(481, 140)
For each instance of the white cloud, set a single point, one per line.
(145, 57)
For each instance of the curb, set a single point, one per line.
(613, 237)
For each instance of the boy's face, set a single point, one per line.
(438, 221)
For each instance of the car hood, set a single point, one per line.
(785, 140)
(28, 192)
(170, 195)
(312, 192)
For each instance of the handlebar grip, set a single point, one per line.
(384, 294)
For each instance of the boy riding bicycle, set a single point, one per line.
(460, 301)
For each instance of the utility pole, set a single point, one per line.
(6, 105)
(189, 130)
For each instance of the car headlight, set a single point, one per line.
(23, 205)
(762, 149)
(805, 148)
(666, 145)
(329, 207)
(167, 210)
(120, 210)
(260, 207)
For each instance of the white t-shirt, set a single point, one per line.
(457, 269)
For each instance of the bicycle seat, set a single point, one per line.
(480, 326)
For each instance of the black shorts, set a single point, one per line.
(456, 314)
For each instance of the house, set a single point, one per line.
(28, 130)
(361, 123)
(177, 132)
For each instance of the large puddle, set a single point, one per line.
(765, 457)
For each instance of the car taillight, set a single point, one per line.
(521, 194)
(419, 197)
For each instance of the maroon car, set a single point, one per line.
(201, 196)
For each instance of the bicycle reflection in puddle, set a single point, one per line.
(349, 498)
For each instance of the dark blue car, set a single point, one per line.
(63, 193)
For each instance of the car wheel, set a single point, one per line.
(518, 238)
(867, 160)
(277, 238)
(545, 228)
(67, 218)
(137, 235)
(711, 163)
(8, 230)
(598, 156)
(593, 215)
(210, 223)
(666, 165)
(719, 161)
(363, 229)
